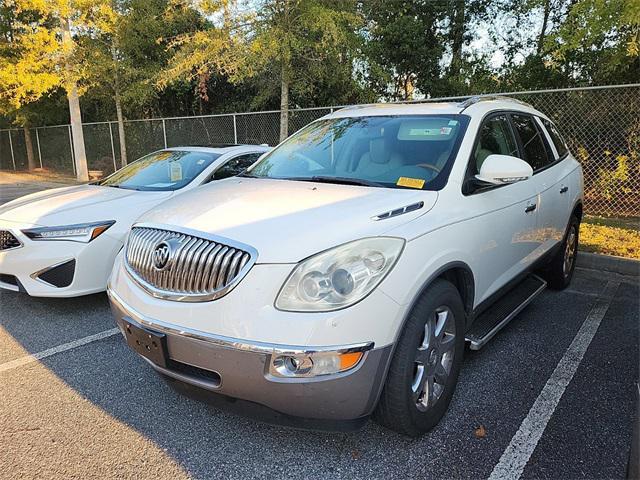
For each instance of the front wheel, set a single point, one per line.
(426, 362)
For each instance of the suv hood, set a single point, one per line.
(287, 221)
(78, 204)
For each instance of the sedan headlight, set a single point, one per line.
(84, 232)
(339, 277)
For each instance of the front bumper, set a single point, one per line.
(240, 369)
(22, 268)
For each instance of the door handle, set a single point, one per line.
(564, 189)
(530, 208)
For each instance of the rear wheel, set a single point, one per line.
(425, 366)
(560, 270)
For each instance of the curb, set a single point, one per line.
(609, 263)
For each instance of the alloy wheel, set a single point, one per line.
(570, 251)
(434, 358)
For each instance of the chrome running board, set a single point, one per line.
(503, 311)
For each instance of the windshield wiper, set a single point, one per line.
(124, 188)
(338, 180)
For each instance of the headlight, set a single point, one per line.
(84, 232)
(339, 277)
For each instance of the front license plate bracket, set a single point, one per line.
(147, 343)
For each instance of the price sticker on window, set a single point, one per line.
(175, 171)
(410, 182)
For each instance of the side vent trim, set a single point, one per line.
(398, 211)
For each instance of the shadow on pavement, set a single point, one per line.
(496, 389)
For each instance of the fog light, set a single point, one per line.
(291, 366)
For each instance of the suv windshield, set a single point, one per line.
(413, 151)
(161, 171)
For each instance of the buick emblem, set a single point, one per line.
(161, 255)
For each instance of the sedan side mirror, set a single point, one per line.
(504, 169)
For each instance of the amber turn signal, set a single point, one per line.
(349, 360)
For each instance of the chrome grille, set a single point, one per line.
(185, 266)
(8, 240)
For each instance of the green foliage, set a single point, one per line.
(404, 46)
(612, 183)
(185, 57)
(582, 42)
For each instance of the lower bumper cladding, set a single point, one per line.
(280, 378)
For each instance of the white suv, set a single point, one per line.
(341, 275)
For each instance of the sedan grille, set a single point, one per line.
(182, 266)
(7, 240)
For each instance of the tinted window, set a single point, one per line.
(390, 151)
(494, 137)
(533, 145)
(235, 166)
(556, 138)
(165, 170)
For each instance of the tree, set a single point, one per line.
(564, 43)
(123, 54)
(403, 46)
(598, 41)
(284, 39)
(293, 37)
(216, 48)
(38, 52)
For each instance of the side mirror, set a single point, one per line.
(503, 169)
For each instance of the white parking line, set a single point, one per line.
(19, 362)
(515, 457)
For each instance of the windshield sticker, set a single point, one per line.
(161, 185)
(423, 131)
(200, 161)
(445, 130)
(453, 123)
(410, 182)
(175, 171)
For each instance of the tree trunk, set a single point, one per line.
(284, 103)
(122, 141)
(457, 38)
(545, 21)
(82, 171)
(31, 161)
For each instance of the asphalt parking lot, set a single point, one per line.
(553, 393)
(14, 185)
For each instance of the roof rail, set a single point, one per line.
(213, 145)
(484, 98)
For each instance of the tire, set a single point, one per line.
(560, 270)
(435, 324)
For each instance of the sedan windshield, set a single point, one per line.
(382, 151)
(160, 171)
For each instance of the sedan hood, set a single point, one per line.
(287, 221)
(78, 204)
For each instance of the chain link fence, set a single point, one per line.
(601, 125)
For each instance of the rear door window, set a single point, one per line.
(556, 138)
(534, 150)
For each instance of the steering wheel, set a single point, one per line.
(312, 164)
(428, 166)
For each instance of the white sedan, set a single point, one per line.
(63, 242)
